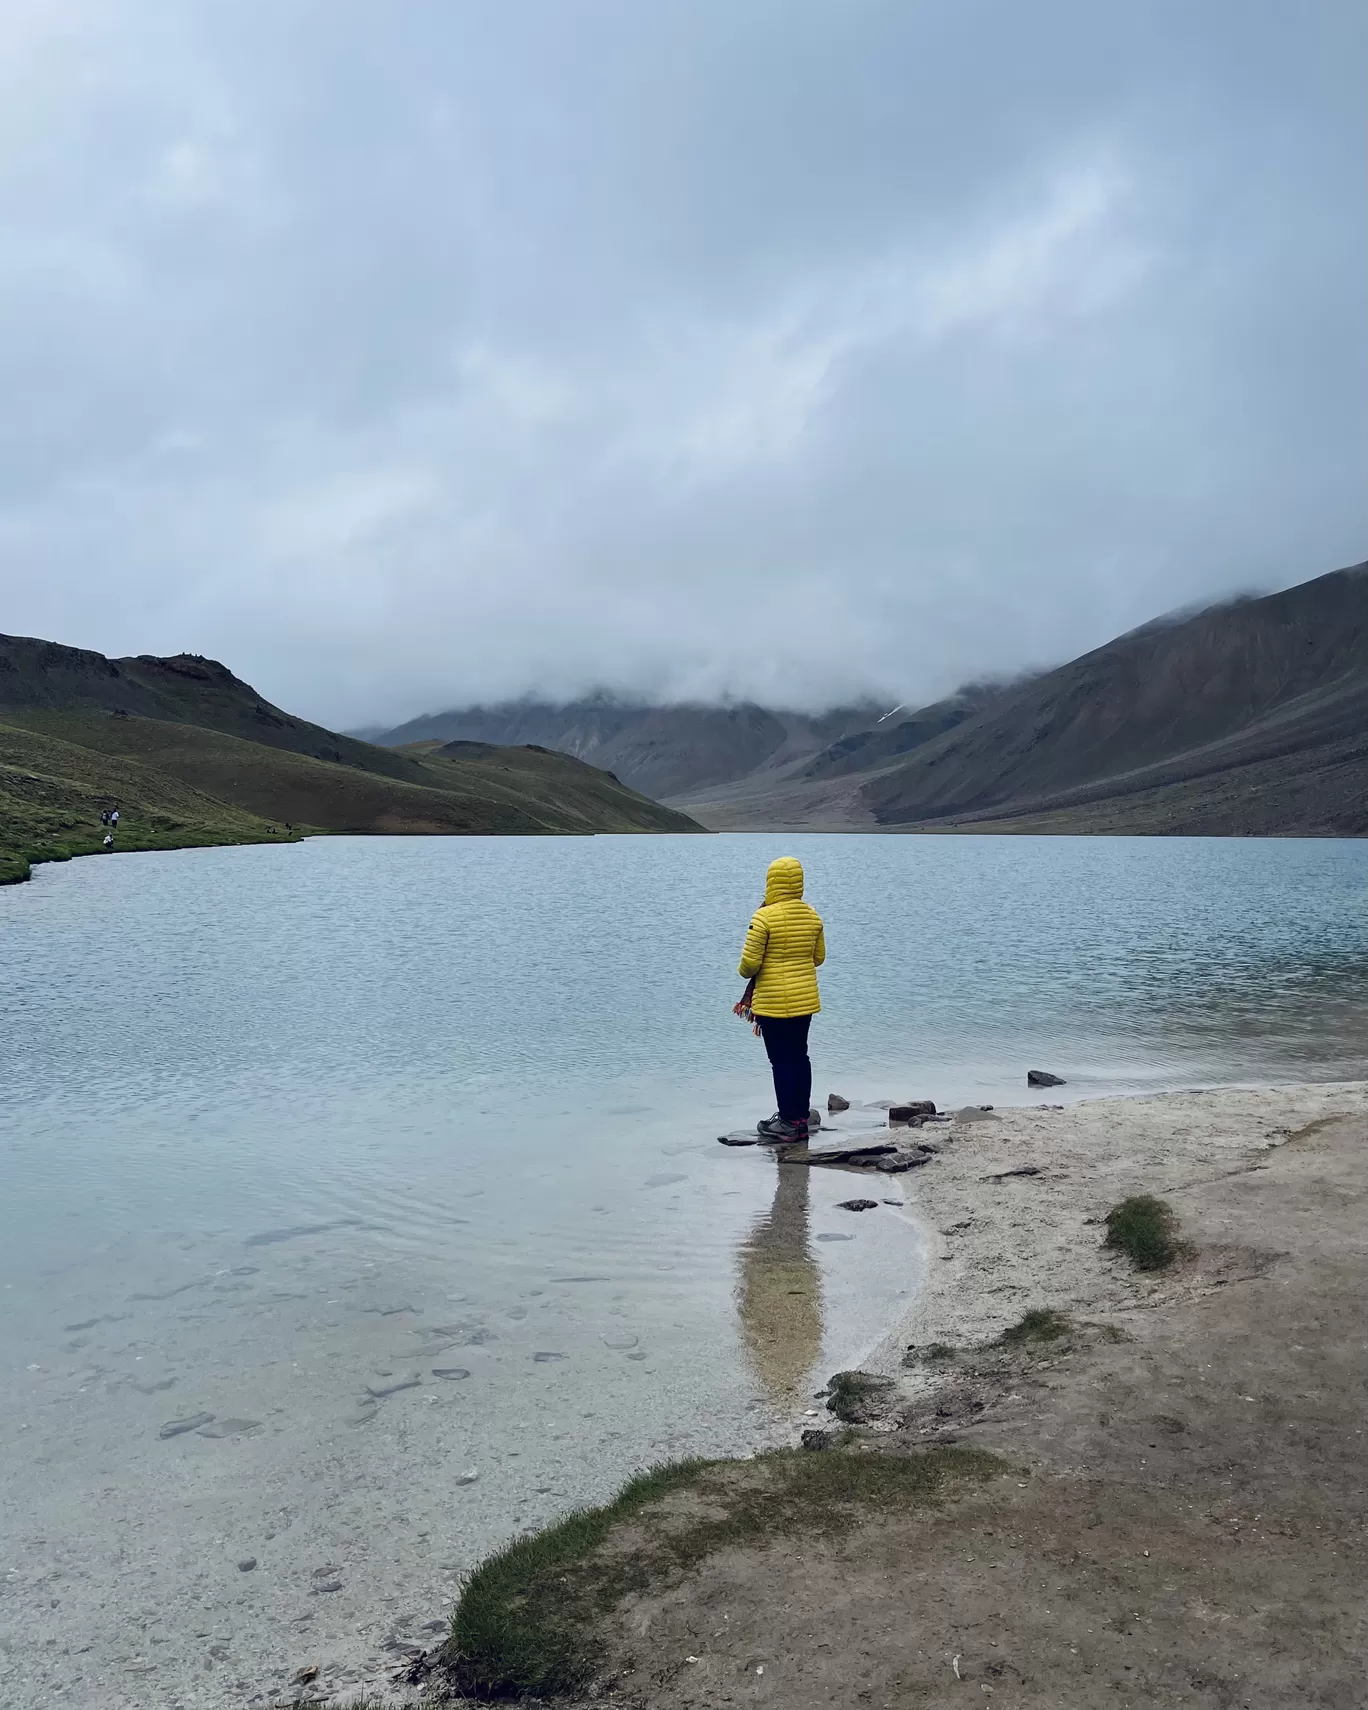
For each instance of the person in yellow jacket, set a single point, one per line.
(784, 948)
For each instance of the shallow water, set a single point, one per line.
(284, 1128)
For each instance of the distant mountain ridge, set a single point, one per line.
(660, 750)
(1246, 717)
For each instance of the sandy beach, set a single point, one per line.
(1001, 1242)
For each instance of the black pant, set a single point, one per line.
(786, 1041)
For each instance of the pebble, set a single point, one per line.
(247, 1564)
(545, 1359)
(450, 1372)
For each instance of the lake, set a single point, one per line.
(360, 1200)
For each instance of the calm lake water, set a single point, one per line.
(282, 1129)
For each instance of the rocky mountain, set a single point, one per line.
(1260, 704)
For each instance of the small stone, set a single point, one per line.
(814, 1117)
(468, 1477)
(857, 1205)
(247, 1564)
(815, 1439)
(326, 1585)
(452, 1373)
(835, 1102)
(1043, 1078)
(545, 1359)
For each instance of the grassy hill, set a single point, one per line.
(193, 756)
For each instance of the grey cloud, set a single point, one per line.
(414, 355)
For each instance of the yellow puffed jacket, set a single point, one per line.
(785, 945)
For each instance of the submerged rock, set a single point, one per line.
(858, 1205)
(1043, 1078)
(910, 1114)
(835, 1102)
(178, 1427)
(392, 1388)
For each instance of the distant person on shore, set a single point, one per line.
(109, 840)
(784, 948)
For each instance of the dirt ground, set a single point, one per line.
(1182, 1521)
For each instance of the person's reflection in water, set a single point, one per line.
(779, 1290)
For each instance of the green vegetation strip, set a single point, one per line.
(1144, 1228)
(527, 1620)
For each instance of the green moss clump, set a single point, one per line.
(1145, 1229)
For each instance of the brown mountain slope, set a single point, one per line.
(45, 676)
(1279, 683)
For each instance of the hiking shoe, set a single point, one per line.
(781, 1133)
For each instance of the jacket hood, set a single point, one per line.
(784, 879)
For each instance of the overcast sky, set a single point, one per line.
(405, 354)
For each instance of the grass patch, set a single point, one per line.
(1041, 1324)
(1145, 1229)
(527, 1620)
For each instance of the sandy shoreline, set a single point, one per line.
(998, 1245)
(1169, 1503)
